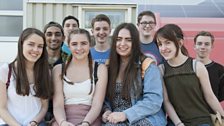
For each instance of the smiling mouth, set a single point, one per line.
(34, 55)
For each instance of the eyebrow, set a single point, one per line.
(53, 32)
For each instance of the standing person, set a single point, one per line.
(203, 44)
(101, 28)
(69, 23)
(78, 98)
(187, 90)
(25, 85)
(54, 37)
(146, 26)
(132, 100)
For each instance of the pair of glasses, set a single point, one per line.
(150, 23)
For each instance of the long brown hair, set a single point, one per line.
(130, 81)
(85, 32)
(173, 33)
(43, 86)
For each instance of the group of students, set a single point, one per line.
(104, 83)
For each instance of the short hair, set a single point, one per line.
(68, 18)
(148, 13)
(101, 17)
(204, 33)
(53, 24)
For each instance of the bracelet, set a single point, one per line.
(36, 123)
(178, 123)
(86, 122)
(62, 122)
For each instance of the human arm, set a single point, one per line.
(39, 117)
(99, 94)
(167, 105)
(4, 113)
(151, 101)
(106, 110)
(221, 88)
(170, 109)
(58, 98)
(209, 96)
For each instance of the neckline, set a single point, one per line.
(65, 78)
(180, 64)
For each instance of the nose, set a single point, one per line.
(147, 25)
(123, 42)
(36, 48)
(162, 47)
(101, 31)
(203, 45)
(78, 47)
(53, 37)
(71, 27)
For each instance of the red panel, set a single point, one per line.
(191, 26)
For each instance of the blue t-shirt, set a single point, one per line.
(66, 49)
(152, 51)
(100, 57)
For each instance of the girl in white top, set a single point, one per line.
(25, 101)
(74, 85)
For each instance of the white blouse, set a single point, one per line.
(22, 108)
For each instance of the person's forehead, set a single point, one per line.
(53, 29)
(71, 21)
(101, 23)
(147, 18)
(204, 39)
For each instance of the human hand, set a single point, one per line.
(33, 123)
(84, 124)
(66, 123)
(105, 115)
(180, 124)
(116, 117)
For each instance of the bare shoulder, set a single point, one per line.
(201, 70)
(57, 69)
(102, 66)
(102, 70)
(200, 66)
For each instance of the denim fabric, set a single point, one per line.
(150, 104)
(204, 125)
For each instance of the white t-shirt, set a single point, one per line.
(22, 108)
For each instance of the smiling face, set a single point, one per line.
(167, 48)
(54, 38)
(203, 46)
(146, 26)
(79, 45)
(124, 43)
(101, 31)
(70, 25)
(33, 48)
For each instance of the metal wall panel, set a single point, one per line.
(39, 14)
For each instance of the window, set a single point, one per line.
(116, 17)
(11, 25)
(11, 5)
(11, 18)
(117, 14)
